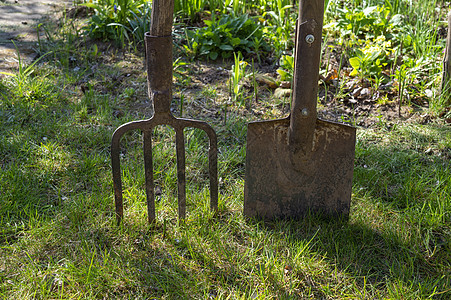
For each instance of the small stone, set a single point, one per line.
(356, 92)
(282, 93)
(365, 92)
(267, 80)
(288, 270)
(158, 190)
(387, 86)
(285, 85)
(350, 84)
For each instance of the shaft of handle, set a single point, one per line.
(162, 17)
(159, 55)
(306, 74)
(159, 71)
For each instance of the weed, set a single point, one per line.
(279, 27)
(238, 73)
(190, 9)
(286, 68)
(370, 60)
(112, 18)
(224, 36)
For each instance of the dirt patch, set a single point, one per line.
(201, 88)
(201, 91)
(19, 21)
(365, 109)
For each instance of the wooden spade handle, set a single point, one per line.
(162, 17)
(306, 74)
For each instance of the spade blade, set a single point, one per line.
(282, 183)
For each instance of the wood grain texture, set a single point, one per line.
(306, 74)
(162, 17)
(311, 9)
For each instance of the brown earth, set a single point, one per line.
(19, 26)
(204, 85)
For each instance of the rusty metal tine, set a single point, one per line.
(148, 169)
(116, 164)
(213, 170)
(117, 181)
(212, 157)
(116, 167)
(181, 180)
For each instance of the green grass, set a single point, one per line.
(59, 238)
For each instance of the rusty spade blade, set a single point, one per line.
(300, 163)
(159, 77)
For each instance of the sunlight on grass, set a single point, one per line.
(58, 233)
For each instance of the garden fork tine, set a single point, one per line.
(159, 77)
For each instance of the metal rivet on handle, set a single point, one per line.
(304, 112)
(310, 38)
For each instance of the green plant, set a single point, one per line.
(238, 73)
(384, 100)
(139, 23)
(189, 8)
(224, 36)
(111, 17)
(369, 22)
(406, 74)
(29, 88)
(286, 68)
(254, 82)
(370, 60)
(366, 64)
(180, 72)
(279, 27)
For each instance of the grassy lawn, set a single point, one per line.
(59, 238)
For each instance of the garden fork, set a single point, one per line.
(159, 77)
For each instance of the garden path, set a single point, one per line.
(18, 25)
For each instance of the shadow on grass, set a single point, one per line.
(217, 256)
(51, 150)
(210, 257)
(383, 250)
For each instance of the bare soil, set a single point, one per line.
(203, 86)
(19, 27)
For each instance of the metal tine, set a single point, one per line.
(116, 163)
(181, 179)
(213, 167)
(117, 179)
(146, 127)
(212, 158)
(117, 182)
(148, 169)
